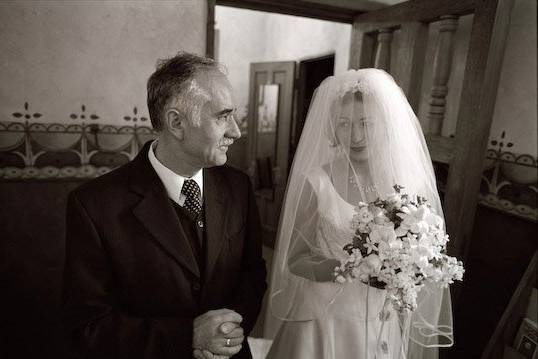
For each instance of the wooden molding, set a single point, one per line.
(210, 29)
(297, 8)
(418, 10)
(411, 55)
(441, 148)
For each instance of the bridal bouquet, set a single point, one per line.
(399, 245)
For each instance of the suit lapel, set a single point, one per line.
(216, 199)
(157, 214)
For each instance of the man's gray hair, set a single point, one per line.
(174, 82)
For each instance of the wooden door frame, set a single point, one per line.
(478, 97)
(285, 7)
(279, 168)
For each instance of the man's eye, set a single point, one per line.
(226, 118)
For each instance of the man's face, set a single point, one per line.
(208, 142)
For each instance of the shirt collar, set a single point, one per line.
(172, 181)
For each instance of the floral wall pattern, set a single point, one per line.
(34, 151)
(510, 180)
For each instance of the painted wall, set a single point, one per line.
(247, 36)
(516, 105)
(59, 55)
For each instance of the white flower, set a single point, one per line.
(413, 218)
(357, 253)
(383, 220)
(365, 277)
(382, 234)
(363, 228)
(370, 246)
(340, 279)
(364, 215)
(354, 256)
(370, 265)
(395, 200)
(401, 231)
(434, 274)
(433, 219)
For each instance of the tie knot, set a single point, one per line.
(193, 198)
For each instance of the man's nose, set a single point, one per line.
(233, 130)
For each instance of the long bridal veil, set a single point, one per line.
(306, 251)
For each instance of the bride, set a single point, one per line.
(360, 138)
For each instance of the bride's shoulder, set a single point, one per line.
(317, 178)
(316, 174)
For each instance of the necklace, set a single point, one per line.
(366, 188)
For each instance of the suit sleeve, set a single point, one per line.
(253, 284)
(96, 326)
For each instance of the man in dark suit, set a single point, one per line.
(163, 255)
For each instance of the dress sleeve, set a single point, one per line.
(305, 259)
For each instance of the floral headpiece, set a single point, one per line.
(353, 87)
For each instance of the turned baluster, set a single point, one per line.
(441, 72)
(382, 54)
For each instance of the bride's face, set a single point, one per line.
(350, 128)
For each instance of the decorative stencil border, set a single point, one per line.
(510, 181)
(37, 151)
(62, 151)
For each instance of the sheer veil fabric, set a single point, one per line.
(361, 137)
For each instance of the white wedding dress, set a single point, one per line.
(360, 139)
(341, 322)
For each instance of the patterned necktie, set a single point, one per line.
(193, 197)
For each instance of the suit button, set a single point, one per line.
(200, 224)
(196, 286)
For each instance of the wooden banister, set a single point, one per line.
(441, 148)
(442, 64)
(478, 96)
(382, 55)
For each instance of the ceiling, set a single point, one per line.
(359, 5)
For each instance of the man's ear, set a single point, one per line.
(175, 123)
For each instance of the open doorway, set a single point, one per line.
(261, 50)
(312, 72)
(274, 63)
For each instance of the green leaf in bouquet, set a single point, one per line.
(349, 248)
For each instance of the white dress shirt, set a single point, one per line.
(172, 181)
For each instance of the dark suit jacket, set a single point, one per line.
(132, 286)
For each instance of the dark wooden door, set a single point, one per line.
(311, 73)
(271, 93)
